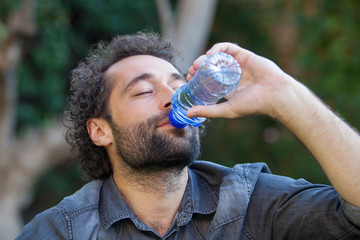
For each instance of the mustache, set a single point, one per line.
(154, 120)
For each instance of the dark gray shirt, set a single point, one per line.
(243, 202)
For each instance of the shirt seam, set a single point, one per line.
(82, 210)
(341, 235)
(68, 221)
(197, 230)
(211, 194)
(247, 234)
(213, 229)
(124, 215)
(68, 216)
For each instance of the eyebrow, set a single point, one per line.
(136, 79)
(177, 76)
(146, 76)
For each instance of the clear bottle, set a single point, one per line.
(217, 76)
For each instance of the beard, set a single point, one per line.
(145, 149)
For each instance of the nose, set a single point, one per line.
(167, 105)
(168, 92)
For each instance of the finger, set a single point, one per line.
(193, 68)
(227, 47)
(240, 54)
(191, 73)
(211, 111)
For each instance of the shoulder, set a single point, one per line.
(237, 182)
(307, 210)
(48, 223)
(232, 186)
(215, 174)
(85, 198)
(59, 220)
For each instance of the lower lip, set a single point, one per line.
(166, 125)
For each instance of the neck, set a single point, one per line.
(153, 197)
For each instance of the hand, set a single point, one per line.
(260, 89)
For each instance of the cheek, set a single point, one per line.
(134, 112)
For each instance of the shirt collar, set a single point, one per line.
(112, 205)
(198, 198)
(203, 197)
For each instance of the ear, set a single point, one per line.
(99, 131)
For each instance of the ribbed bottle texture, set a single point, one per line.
(217, 76)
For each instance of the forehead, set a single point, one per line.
(130, 67)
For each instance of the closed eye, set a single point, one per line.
(143, 92)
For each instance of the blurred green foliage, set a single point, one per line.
(327, 56)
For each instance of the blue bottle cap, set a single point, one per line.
(174, 122)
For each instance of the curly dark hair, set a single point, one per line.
(90, 91)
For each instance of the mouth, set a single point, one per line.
(164, 123)
(163, 120)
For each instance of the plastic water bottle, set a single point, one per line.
(217, 76)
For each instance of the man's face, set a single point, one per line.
(139, 104)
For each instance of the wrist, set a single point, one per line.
(293, 101)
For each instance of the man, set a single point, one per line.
(146, 182)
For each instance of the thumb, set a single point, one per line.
(221, 110)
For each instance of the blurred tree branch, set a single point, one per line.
(188, 27)
(285, 37)
(20, 26)
(23, 159)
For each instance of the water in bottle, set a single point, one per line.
(217, 76)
